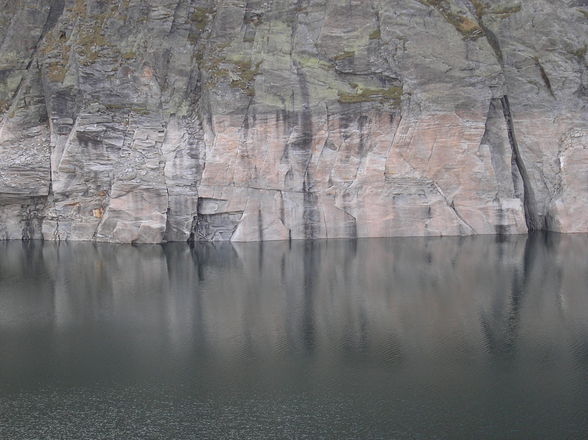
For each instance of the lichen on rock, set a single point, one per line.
(168, 120)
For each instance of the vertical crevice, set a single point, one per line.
(531, 217)
(55, 12)
(529, 202)
(544, 77)
(493, 42)
(193, 229)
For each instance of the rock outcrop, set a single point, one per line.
(174, 120)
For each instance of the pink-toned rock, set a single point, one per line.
(332, 119)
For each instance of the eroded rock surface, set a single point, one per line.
(173, 120)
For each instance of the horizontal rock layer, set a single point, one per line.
(173, 120)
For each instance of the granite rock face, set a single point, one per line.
(244, 120)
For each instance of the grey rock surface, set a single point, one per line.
(172, 120)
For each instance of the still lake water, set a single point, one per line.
(440, 338)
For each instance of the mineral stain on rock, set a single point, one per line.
(151, 121)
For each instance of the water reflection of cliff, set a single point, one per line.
(391, 300)
(338, 339)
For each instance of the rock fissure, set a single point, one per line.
(531, 216)
(214, 120)
(544, 77)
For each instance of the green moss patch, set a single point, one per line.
(580, 52)
(57, 51)
(506, 10)
(392, 95)
(247, 73)
(4, 105)
(375, 35)
(129, 55)
(348, 54)
(241, 72)
(500, 11)
(128, 108)
(56, 72)
(200, 18)
(469, 28)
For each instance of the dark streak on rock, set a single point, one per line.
(531, 217)
(282, 209)
(493, 42)
(54, 13)
(260, 225)
(362, 121)
(311, 214)
(544, 77)
(32, 221)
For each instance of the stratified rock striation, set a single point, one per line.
(174, 120)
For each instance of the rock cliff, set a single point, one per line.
(243, 120)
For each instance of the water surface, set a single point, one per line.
(439, 338)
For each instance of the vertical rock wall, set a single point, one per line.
(174, 120)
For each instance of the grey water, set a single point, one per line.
(411, 338)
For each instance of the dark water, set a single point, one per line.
(474, 338)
